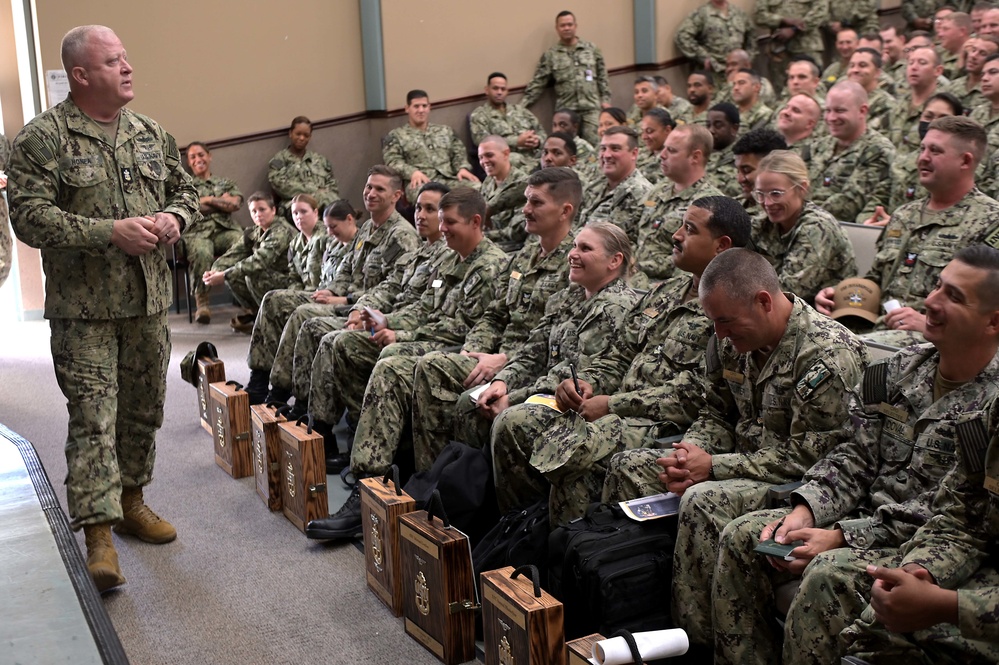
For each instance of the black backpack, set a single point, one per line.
(612, 572)
(520, 538)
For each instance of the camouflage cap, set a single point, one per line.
(856, 297)
(189, 364)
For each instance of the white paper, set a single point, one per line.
(652, 645)
(891, 305)
(474, 395)
(57, 83)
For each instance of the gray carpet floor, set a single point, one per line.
(240, 584)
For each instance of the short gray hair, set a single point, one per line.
(74, 44)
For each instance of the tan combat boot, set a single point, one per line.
(139, 521)
(203, 314)
(102, 559)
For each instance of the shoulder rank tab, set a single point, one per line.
(874, 387)
(992, 239)
(973, 440)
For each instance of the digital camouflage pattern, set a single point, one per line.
(509, 122)
(850, 183)
(305, 257)
(442, 409)
(290, 175)
(505, 201)
(710, 33)
(814, 254)
(969, 98)
(67, 184)
(680, 110)
(621, 205)
(902, 128)
(6, 243)
(768, 14)
(880, 106)
(648, 165)
(213, 234)
(437, 152)
(258, 264)
(861, 15)
(377, 251)
(720, 172)
(661, 218)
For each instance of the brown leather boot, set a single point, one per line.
(139, 521)
(102, 559)
(203, 314)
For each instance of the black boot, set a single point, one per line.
(279, 395)
(345, 523)
(256, 387)
(335, 460)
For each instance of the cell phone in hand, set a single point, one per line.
(781, 550)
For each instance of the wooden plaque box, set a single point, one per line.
(382, 502)
(303, 474)
(521, 623)
(266, 452)
(579, 652)
(437, 585)
(210, 370)
(231, 414)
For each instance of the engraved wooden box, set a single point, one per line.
(303, 474)
(521, 622)
(231, 428)
(266, 451)
(382, 502)
(437, 585)
(210, 370)
(579, 652)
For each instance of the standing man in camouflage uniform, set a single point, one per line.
(217, 231)
(795, 29)
(442, 407)
(778, 371)
(579, 73)
(708, 33)
(503, 190)
(519, 127)
(850, 169)
(645, 387)
(619, 197)
(424, 152)
(923, 235)
(460, 291)
(100, 190)
(912, 418)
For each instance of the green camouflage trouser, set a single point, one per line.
(942, 643)
(512, 439)
(251, 289)
(384, 413)
(275, 308)
(284, 359)
(634, 473)
(437, 390)
(306, 348)
(113, 374)
(201, 251)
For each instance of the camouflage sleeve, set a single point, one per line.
(977, 618)
(279, 175)
(478, 128)
(458, 153)
(869, 185)
(817, 14)
(327, 190)
(267, 253)
(477, 291)
(532, 359)
(383, 296)
(236, 252)
(714, 429)
(4, 153)
(749, 43)
(603, 79)
(182, 197)
(819, 420)
(805, 268)
(538, 83)
(767, 13)
(687, 37)
(394, 156)
(314, 263)
(608, 369)
(680, 401)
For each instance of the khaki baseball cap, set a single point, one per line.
(856, 297)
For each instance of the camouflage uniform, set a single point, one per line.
(814, 254)
(707, 32)
(834, 73)
(913, 9)
(902, 129)
(581, 82)
(107, 310)
(305, 256)
(621, 205)
(442, 409)
(213, 234)
(376, 252)
(880, 106)
(918, 243)
(815, 13)
(767, 95)
(291, 175)
(950, 64)
(404, 286)
(851, 182)
(861, 15)
(721, 173)
(789, 413)
(958, 538)
(509, 122)
(574, 331)
(660, 356)
(458, 294)
(436, 151)
(635, 115)
(258, 264)
(505, 201)
(664, 211)
(905, 186)
(876, 486)
(6, 243)
(680, 110)
(648, 165)
(969, 98)
(756, 117)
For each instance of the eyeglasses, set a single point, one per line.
(775, 195)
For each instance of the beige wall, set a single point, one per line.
(208, 69)
(480, 40)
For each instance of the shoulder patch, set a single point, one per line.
(992, 239)
(37, 150)
(973, 440)
(874, 388)
(816, 375)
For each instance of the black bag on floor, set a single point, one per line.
(612, 572)
(464, 477)
(520, 538)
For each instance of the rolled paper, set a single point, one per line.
(652, 645)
